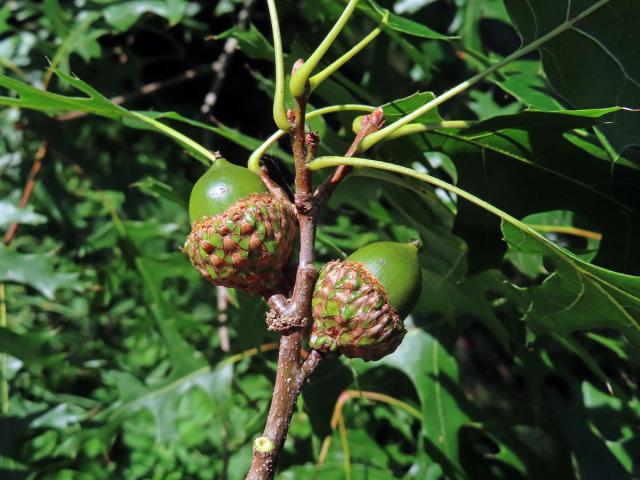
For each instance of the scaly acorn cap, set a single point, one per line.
(396, 266)
(357, 302)
(241, 235)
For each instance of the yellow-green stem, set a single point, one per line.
(194, 147)
(4, 381)
(320, 77)
(566, 229)
(414, 128)
(267, 347)
(381, 397)
(279, 111)
(330, 161)
(376, 137)
(254, 160)
(344, 440)
(299, 79)
(351, 394)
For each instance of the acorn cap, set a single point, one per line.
(220, 187)
(395, 265)
(351, 313)
(247, 246)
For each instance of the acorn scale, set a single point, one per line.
(359, 304)
(241, 236)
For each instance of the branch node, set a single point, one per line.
(291, 116)
(284, 324)
(264, 444)
(304, 203)
(309, 271)
(279, 303)
(312, 139)
(310, 363)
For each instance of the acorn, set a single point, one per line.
(242, 236)
(359, 304)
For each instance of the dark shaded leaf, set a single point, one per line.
(611, 77)
(32, 348)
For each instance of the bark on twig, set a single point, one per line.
(294, 313)
(291, 373)
(370, 124)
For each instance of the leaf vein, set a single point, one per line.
(610, 54)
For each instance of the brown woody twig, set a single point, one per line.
(370, 123)
(290, 316)
(291, 373)
(7, 239)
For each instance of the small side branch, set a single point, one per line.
(370, 123)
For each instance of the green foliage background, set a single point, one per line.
(521, 359)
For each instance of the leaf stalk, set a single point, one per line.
(254, 159)
(321, 76)
(300, 78)
(279, 111)
(376, 137)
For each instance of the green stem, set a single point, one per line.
(320, 77)
(279, 112)
(631, 328)
(376, 137)
(348, 107)
(331, 161)
(299, 79)
(195, 148)
(414, 128)
(4, 381)
(344, 442)
(381, 397)
(254, 160)
(567, 229)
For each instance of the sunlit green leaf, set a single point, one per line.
(10, 213)
(124, 14)
(36, 270)
(434, 373)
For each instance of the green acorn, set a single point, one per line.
(359, 304)
(241, 236)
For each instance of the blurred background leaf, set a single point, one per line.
(516, 357)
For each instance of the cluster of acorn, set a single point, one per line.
(242, 237)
